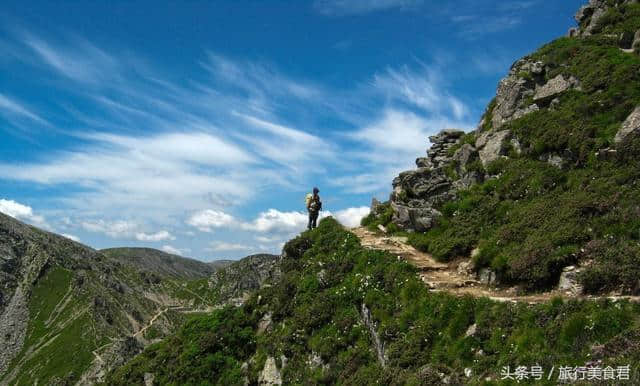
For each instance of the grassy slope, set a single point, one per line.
(80, 302)
(424, 333)
(533, 219)
(56, 328)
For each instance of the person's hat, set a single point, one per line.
(316, 190)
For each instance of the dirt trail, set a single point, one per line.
(455, 277)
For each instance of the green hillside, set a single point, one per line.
(561, 190)
(336, 299)
(68, 312)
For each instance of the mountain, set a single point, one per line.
(342, 314)
(548, 185)
(161, 263)
(69, 313)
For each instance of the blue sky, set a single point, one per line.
(197, 127)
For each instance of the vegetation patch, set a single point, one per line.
(316, 311)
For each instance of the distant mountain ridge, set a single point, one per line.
(69, 313)
(162, 263)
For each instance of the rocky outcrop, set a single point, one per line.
(235, 282)
(589, 16)
(631, 125)
(514, 92)
(13, 328)
(375, 338)
(569, 281)
(417, 193)
(492, 145)
(270, 374)
(314, 361)
(555, 87)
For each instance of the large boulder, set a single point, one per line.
(512, 90)
(419, 219)
(270, 375)
(555, 87)
(569, 281)
(631, 125)
(492, 145)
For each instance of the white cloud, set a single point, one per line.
(421, 89)
(71, 237)
(355, 7)
(159, 236)
(80, 61)
(351, 217)
(175, 251)
(207, 219)
(275, 221)
(165, 173)
(397, 131)
(115, 229)
(14, 108)
(22, 212)
(222, 246)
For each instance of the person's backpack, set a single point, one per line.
(313, 205)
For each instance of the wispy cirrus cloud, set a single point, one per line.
(80, 61)
(157, 159)
(12, 109)
(476, 20)
(358, 7)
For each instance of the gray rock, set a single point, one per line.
(509, 95)
(471, 331)
(377, 342)
(264, 324)
(524, 111)
(515, 144)
(419, 219)
(465, 268)
(486, 276)
(554, 87)
(13, 327)
(584, 13)
(270, 374)
(569, 280)
(573, 32)
(423, 162)
(234, 282)
(375, 205)
(464, 156)
(631, 125)
(416, 193)
(492, 145)
(314, 361)
(148, 379)
(553, 160)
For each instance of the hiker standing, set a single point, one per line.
(314, 206)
